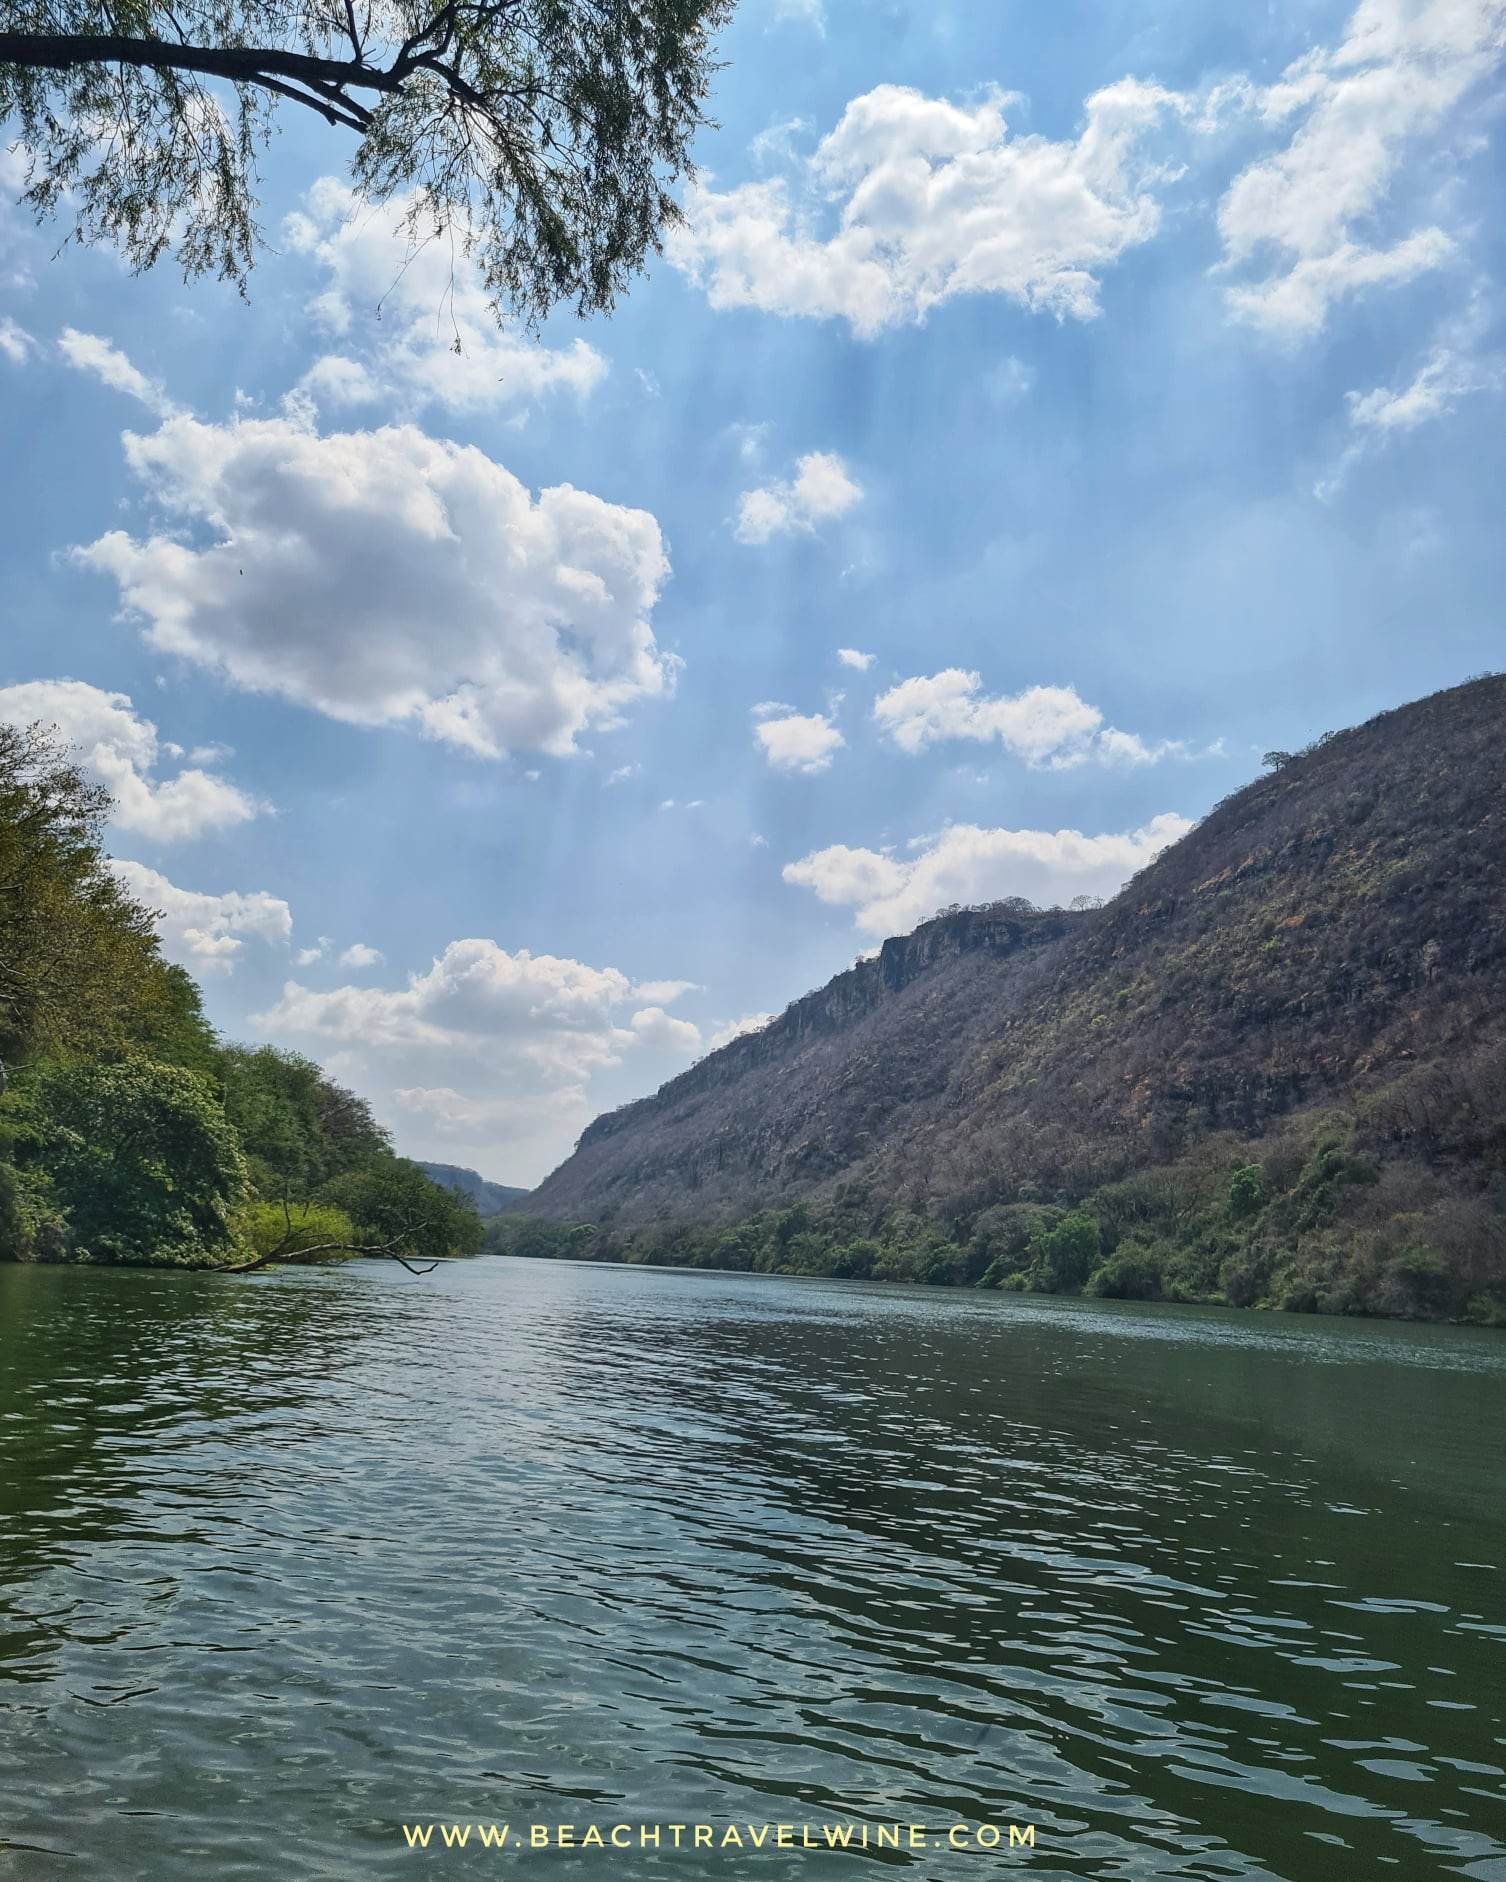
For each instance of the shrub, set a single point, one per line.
(1131, 1274)
(268, 1227)
(1246, 1192)
(1067, 1254)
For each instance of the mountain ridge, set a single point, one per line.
(1329, 938)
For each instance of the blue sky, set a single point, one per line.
(1044, 412)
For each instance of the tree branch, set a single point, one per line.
(285, 1252)
(269, 66)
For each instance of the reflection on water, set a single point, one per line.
(288, 1560)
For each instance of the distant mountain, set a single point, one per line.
(1311, 985)
(489, 1198)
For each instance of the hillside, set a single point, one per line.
(1317, 970)
(490, 1198)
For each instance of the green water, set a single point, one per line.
(288, 1560)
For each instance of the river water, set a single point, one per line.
(290, 1561)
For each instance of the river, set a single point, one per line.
(289, 1561)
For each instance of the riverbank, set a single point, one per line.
(1035, 1250)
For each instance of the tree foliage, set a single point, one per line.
(544, 136)
(128, 1133)
(299, 1128)
(392, 1202)
(78, 958)
(141, 1156)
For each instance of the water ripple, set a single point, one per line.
(288, 1561)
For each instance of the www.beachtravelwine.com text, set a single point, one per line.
(702, 1836)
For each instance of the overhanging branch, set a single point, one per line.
(303, 77)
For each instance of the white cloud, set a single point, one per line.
(485, 1050)
(453, 1115)
(388, 578)
(1049, 726)
(358, 954)
(803, 742)
(305, 957)
(1445, 377)
(120, 750)
(205, 933)
(334, 380)
(664, 992)
(969, 865)
(1326, 216)
(819, 491)
(89, 353)
(16, 343)
(417, 314)
(851, 657)
(664, 1033)
(1453, 370)
(731, 1029)
(931, 200)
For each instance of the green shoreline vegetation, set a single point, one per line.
(129, 1133)
(1303, 1222)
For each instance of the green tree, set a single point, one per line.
(542, 135)
(299, 1128)
(79, 966)
(397, 1210)
(1246, 1191)
(139, 1157)
(1069, 1252)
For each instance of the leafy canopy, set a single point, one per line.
(78, 957)
(543, 135)
(144, 1159)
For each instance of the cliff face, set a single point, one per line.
(841, 1005)
(1333, 933)
(816, 1089)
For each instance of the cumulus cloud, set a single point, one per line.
(663, 1031)
(485, 1040)
(455, 1116)
(16, 344)
(388, 578)
(730, 1029)
(359, 954)
(889, 895)
(206, 933)
(851, 657)
(927, 199)
(819, 491)
(413, 319)
(664, 992)
(335, 382)
(88, 353)
(1047, 726)
(120, 750)
(794, 741)
(1326, 216)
